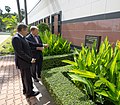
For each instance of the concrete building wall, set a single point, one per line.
(81, 17)
(72, 9)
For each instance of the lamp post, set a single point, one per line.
(26, 19)
(18, 6)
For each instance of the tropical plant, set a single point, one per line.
(43, 27)
(2, 25)
(6, 47)
(99, 71)
(57, 45)
(11, 23)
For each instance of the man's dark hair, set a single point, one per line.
(21, 26)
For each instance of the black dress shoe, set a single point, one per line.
(39, 76)
(36, 80)
(24, 92)
(33, 94)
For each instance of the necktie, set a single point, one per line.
(36, 39)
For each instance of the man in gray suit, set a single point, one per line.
(36, 52)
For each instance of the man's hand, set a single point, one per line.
(33, 60)
(46, 45)
(40, 48)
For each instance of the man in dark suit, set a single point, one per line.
(24, 59)
(36, 52)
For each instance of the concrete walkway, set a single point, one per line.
(4, 36)
(11, 86)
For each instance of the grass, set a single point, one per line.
(6, 46)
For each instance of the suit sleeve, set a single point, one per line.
(17, 45)
(34, 45)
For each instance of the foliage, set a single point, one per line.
(99, 72)
(22, 13)
(2, 25)
(6, 47)
(43, 27)
(11, 23)
(1, 11)
(61, 89)
(55, 61)
(7, 8)
(6, 15)
(57, 45)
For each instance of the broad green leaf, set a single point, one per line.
(70, 62)
(90, 87)
(84, 73)
(64, 44)
(110, 85)
(112, 68)
(78, 78)
(118, 81)
(118, 58)
(55, 45)
(81, 64)
(118, 95)
(102, 47)
(76, 51)
(101, 92)
(93, 53)
(106, 94)
(98, 83)
(89, 59)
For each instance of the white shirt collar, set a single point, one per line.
(20, 34)
(33, 35)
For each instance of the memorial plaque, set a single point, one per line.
(90, 39)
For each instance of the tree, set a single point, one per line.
(22, 11)
(1, 11)
(10, 23)
(1, 24)
(7, 8)
(1, 19)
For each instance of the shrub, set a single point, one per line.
(61, 89)
(55, 61)
(43, 27)
(99, 72)
(6, 47)
(57, 45)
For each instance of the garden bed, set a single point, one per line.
(55, 61)
(63, 91)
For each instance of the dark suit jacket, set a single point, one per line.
(35, 53)
(22, 49)
(22, 52)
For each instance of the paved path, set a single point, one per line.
(3, 36)
(11, 86)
